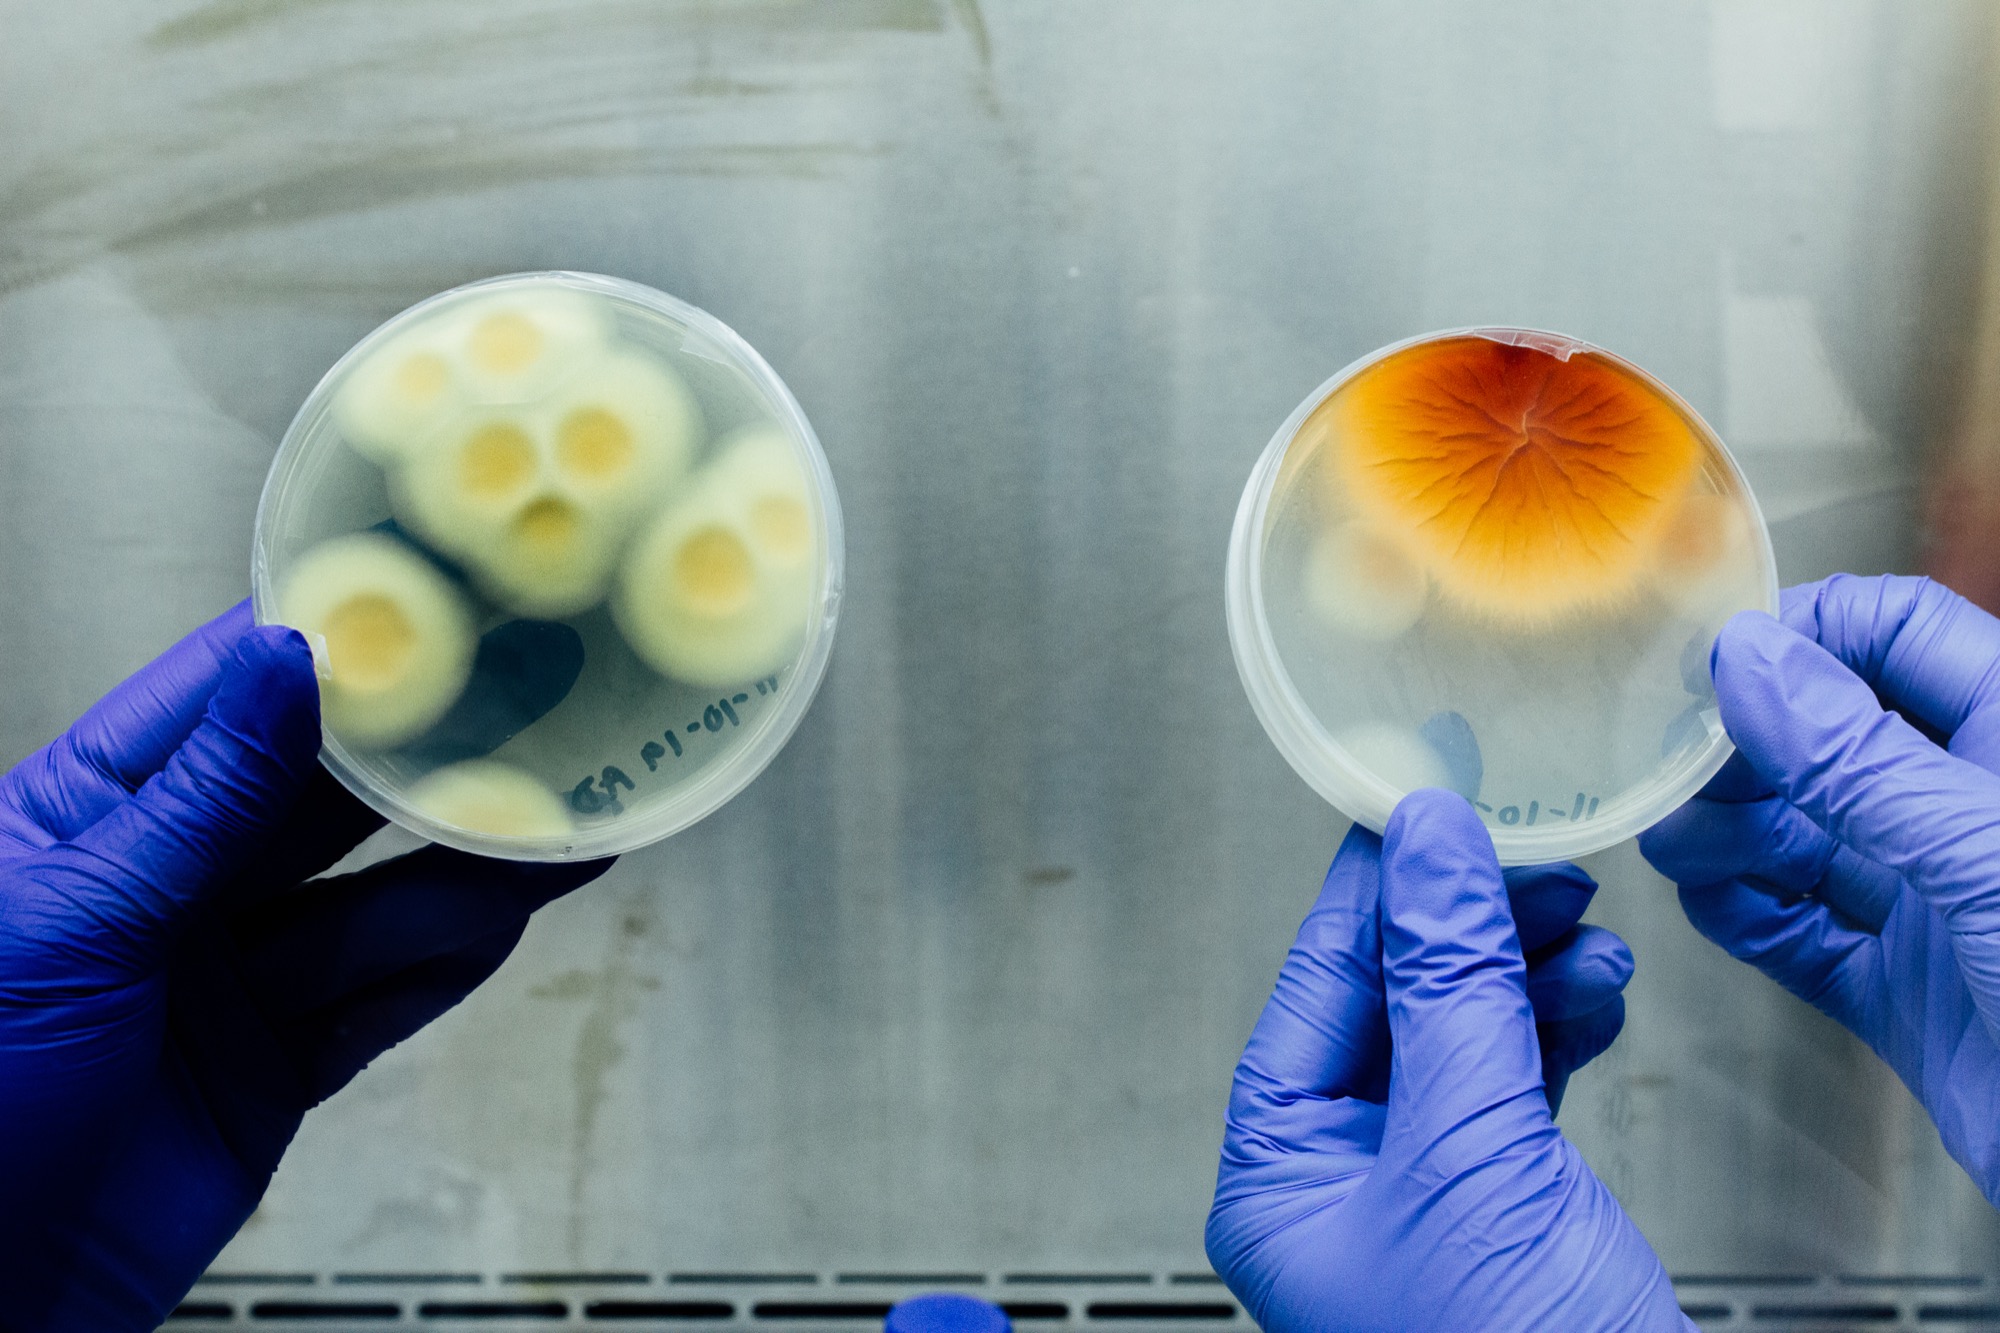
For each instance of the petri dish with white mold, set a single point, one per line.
(569, 557)
(1494, 560)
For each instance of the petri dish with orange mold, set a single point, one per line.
(569, 557)
(1494, 560)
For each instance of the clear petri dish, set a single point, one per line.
(1494, 560)
(569, 557)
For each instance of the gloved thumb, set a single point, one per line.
(142, 866)
(1462, 1031)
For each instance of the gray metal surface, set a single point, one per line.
(958, 985)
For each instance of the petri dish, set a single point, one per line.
(569, 557)
(1494, 560)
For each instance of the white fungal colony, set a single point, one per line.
(1361, 583)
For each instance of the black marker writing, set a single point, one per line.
(599, 795)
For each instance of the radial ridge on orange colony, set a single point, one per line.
(1527, 485)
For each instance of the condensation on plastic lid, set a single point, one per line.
(1555, 344)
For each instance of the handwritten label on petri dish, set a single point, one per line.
(1583, 808)
(598, 794)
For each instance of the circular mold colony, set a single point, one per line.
(1494, 560)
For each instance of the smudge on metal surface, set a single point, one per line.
(613, 992)
(261, 113)
(223, 19)
(396, 178)
(974, 24)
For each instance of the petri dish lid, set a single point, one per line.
(1494, 560)
(598, 555)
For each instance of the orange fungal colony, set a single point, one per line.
(1526, 484)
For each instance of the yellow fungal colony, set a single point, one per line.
(1523, 484)
(552, 443)
(395, 636)
(716, 590)
(487, 796)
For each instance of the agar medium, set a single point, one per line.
(1494, 560)
(498, 519)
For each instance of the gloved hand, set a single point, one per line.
(1390, 1161)
(1846, 853)
(172, 997)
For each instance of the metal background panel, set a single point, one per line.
(958, 985)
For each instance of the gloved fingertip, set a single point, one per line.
(1431, 814)
(1569, 1045)
(1626, 962)
(1798, 605)
(278, 649)
(1603, 959)
(1610, 958)
(1547, 900)
(269, 694)
(1582, 976)
(1748, 637)
(1435, 841)
(1703, 905)
(1442, 891)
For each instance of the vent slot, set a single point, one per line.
(1035, 1310)
(1962, 1314)
(659, 1310)
(746, 1279)
(821, 1309)
(407, 1279)
(912, 1279)
(1708, 1311)
(204, 1310)
(578, 1279)
(1843, 1314)
(305, 1310)
(493, 1310)
(1080, 1279)
(1162, 1310)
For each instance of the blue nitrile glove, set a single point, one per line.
(1847, 855)
(1390, 1162)
(172, 997)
